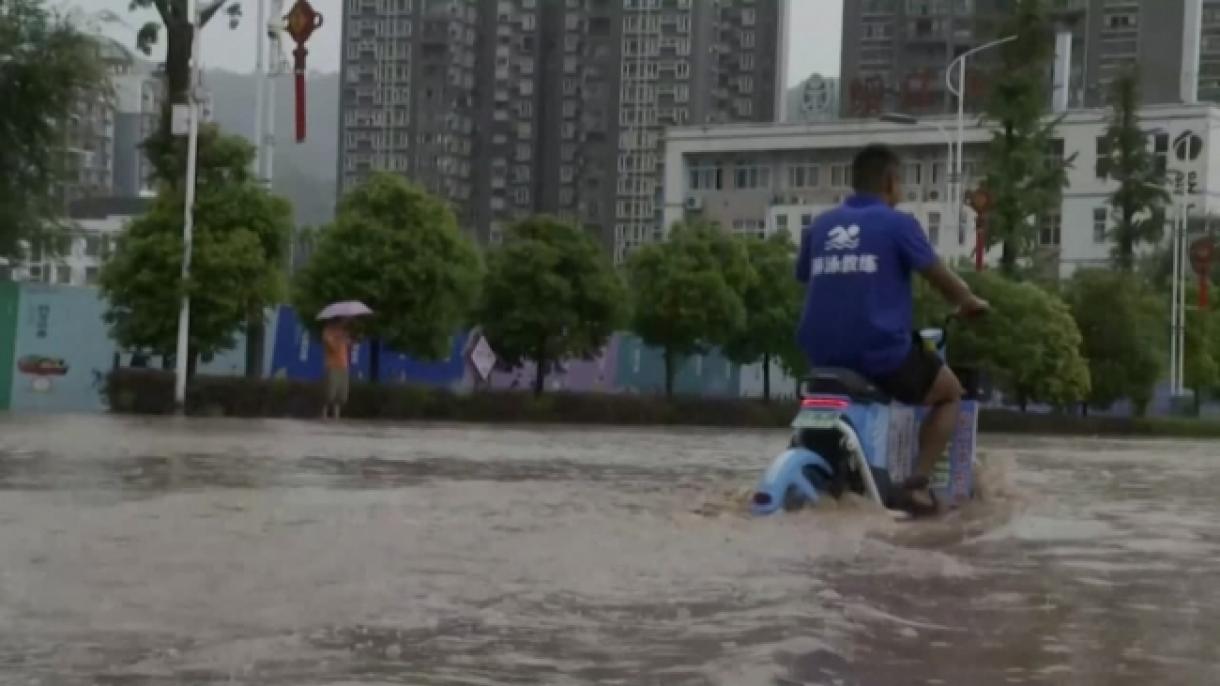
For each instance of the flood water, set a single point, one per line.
(158, 552)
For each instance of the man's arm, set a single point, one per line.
(948, 284)
(921, 257)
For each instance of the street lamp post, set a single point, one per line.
(1177, 291)
(188, 213)
(960, 93)
(951, 180)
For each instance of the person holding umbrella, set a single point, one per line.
(337, 344)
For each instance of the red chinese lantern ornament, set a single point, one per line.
(302, 20)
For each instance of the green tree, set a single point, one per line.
(1138, 203)
(241, 233)
(550, 293)
(1024, 177)
(48, 69)
(686, 292)
(398, 249)
(1200, 367)
(1028, 343)
(772, 306)
(166, 152)
(1121, 322)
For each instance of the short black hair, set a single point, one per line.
(871, 166)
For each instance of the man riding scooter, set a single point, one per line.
(857, 260)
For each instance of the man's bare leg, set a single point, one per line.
(944, 400)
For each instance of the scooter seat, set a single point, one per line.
(838, 381)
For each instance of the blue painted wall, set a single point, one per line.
(297, 354)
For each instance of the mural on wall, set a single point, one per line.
(61, 350)
(597, 375)
(296, 353)
(55, 352)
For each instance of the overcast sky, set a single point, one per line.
(814, 36)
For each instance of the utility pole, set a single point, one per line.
(188, 214)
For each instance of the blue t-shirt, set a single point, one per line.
(857, 260)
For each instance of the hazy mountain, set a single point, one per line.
(304, 172)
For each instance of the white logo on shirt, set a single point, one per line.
(844, 238)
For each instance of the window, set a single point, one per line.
(750, 227)
(91, 276)
(1100, 224)
(63, 274)
(745, 84)
(706, 178)
(1051, 229)
(1103, 158)
(681, 93)
(747, 16)
(806, 220)
(1122, 21)
(803, 176)
(781, 222)
(747, 39)
(1160, 149)
(913, 175)
(93, 246)
(682, 69)
(934, 228)
(747, 61)
(840, 175)
(751, 176)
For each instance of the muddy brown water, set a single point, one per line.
(163, 552)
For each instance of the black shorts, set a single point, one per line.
(910, 383)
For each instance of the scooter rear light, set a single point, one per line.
(825, 403)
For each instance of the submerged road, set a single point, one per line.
(162, 552)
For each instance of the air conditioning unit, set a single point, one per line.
(693, 203)
(933, 196)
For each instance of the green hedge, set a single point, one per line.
(151, 392)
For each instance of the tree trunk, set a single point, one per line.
(375, 360)
(766, 361)
(177, 60)
(256, 339)
(540, 368)
(1008, 259)
(669, 373)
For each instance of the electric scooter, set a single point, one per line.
(850, 436)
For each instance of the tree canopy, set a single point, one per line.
(240, 235)
(1028, 343)
(1138, 204)
(399, 250)
(772, 303)
(1121, 323)
(550, 293)
(49, 70)
(686, 292)
(1023, 169)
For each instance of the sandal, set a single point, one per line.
(916, 497)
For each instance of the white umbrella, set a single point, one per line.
(347, 308)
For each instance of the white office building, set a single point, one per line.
(763, 178)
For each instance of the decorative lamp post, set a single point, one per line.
(302, 20)
(980, 201)
(1202, 252)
